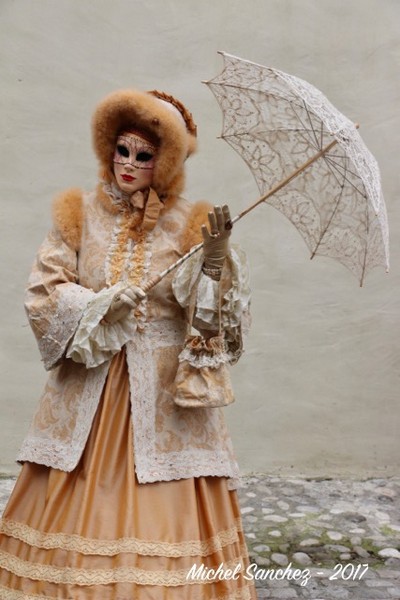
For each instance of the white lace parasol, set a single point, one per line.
(308, 160)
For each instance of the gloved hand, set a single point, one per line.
(216, 241)
(123, 303)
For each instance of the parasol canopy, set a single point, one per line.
(308, 160)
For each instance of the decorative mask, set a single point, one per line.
(134, 160)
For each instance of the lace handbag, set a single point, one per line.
(203, 378)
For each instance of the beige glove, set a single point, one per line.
(123, 303)
(216, 241)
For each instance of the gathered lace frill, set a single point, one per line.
(95, 341)
(200, 352)
(235, 301)
(122, 199)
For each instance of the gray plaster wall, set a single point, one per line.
(318, 387)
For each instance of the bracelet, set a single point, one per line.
(214, 273)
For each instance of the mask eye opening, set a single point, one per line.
(123, 150)
(144, 156)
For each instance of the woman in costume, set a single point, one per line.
(122, 491)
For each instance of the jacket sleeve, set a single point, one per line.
(190, 283)
(54, 300)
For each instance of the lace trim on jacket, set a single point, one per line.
(150, 465)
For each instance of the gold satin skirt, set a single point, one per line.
(96, 533)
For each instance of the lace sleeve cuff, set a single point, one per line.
(235, 301)
(96, 342)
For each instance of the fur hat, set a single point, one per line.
(157, 115)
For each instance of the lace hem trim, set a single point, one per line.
(10, 594)
(75, 576)
(77, 543)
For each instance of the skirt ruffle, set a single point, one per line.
(96, 533)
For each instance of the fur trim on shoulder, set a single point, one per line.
(68, 216)
(198, 216)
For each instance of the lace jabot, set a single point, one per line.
(143, 202)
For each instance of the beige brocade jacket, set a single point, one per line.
(170, 442)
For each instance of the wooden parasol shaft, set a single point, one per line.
(152, 282)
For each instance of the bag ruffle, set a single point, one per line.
(200, 352)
